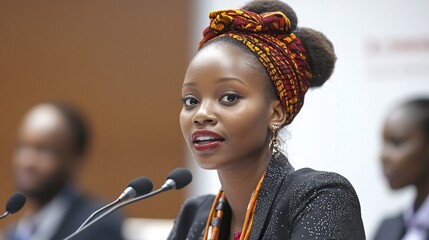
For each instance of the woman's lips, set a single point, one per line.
(388, 173)
(205, 140)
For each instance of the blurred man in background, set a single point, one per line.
(52, 143)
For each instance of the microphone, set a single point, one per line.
(136, 187)
(177, 179)
(14, 204)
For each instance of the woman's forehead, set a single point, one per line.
(225, 60)
(402, 120)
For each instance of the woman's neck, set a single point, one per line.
(422, 194)
(238, 185)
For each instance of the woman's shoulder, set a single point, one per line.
(317, 198)
(314, 178)
(309, 184)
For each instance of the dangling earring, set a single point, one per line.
(274, 142)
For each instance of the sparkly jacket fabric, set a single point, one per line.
(302, 204)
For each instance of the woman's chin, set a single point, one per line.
(396, 185)
(206, 165)
(206, 161)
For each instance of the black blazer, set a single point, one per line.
(109, 228)
(303, 204)
(392, 229)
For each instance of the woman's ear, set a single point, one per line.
(278, 115)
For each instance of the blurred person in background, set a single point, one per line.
(51, 147)
(405, 161)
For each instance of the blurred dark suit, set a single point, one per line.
(392, 229)
(80, 208)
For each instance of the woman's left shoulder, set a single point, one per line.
(307, 185)
(316, 198)
(318, 179)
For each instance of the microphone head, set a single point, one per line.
(181, 177)
(15, 203)
(141, 185)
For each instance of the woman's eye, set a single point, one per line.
(229, 98)
(395, 141)
(189, 101)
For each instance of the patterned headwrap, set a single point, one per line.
(268, 35)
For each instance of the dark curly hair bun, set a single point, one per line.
(321, 55)
(320, 52)
(263, 6)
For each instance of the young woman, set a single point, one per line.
(405, 160)
(248, 81)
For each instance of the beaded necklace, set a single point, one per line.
(214, 220)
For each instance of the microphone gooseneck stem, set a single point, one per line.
(111, 210)
(97, 212)
(7, 213)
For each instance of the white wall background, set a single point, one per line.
(383, 58)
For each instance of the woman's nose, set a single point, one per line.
(205, 115)
(384, 154)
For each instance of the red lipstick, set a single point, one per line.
(205, 140)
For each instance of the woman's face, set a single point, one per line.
(405, 155)
(226, 113)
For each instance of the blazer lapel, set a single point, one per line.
(274, 176)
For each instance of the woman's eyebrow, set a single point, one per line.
(226, 79)
(220, 80)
